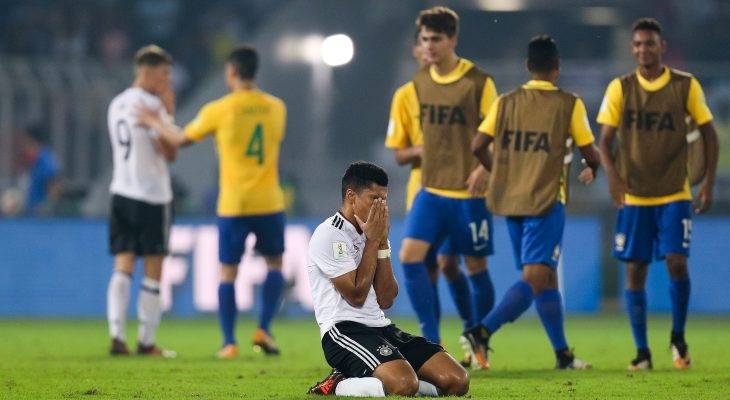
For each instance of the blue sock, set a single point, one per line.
(227, 311)
(516, 301)
(420, 292)
(436, 302)
(270, 297)
(679, 290)
(460, 292)
(636, 307)
(550, 309)
(482, 292)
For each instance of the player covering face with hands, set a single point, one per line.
(352, 282)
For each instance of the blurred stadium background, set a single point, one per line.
(61, 62)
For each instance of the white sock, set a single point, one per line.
(360, 387)
(427, 389)
(117, 302)
(149, 311)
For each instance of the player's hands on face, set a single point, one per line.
(376, 226)
(477, 181)
(168, 98)
(586, 176)
(386, 217)
(704, 198)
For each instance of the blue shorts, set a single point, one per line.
(537, 240)
(445, 248)
(465, 224)
(232, 233)
(645, 233)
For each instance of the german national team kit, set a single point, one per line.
(140, 214)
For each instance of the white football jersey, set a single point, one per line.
(140, 172)
(334, 250)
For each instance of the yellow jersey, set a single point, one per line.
(406, 132)
(248, 127)
(611, 112)
(404, 126)
(580, 129)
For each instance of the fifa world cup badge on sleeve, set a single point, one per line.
(339, 250)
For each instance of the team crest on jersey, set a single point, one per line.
(619, 241)
(556, 252)
(385, 350)
(339, 250)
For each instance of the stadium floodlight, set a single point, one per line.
(502, 5)
(337, 50)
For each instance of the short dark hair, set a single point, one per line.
(38, 133)
(439, 19)
(360, 175)
(542, 54)
(152, 56)
(245, 59)
(647, 24)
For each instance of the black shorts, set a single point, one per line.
(138, 226)
(356, 349)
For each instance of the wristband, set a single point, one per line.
(383, 254)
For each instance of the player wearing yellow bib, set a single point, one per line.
(443, 104)
(529, 128)
(404, 137)
(248, 125)
(645, 113)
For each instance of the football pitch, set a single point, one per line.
(68, 359)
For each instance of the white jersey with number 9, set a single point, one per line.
(140, 172)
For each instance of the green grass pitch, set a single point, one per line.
(67, 359)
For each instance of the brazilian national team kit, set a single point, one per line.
(652, 161)
(441, 113)
(248, 127)
(531, 128)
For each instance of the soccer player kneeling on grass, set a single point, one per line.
(352, 282)
(139, 220)
(530, 127)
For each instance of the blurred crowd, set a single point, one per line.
(51, 127)
(103, 35)
(198, 33)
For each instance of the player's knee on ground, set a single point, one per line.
(228, 273)
(453, 381)
(540, 277)
(449, 265)
(677, 266)
(446, 374)
(475, 265)
(413, 251)
(124, 262)
(457, 384)
(398, 378)
(636, 275)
